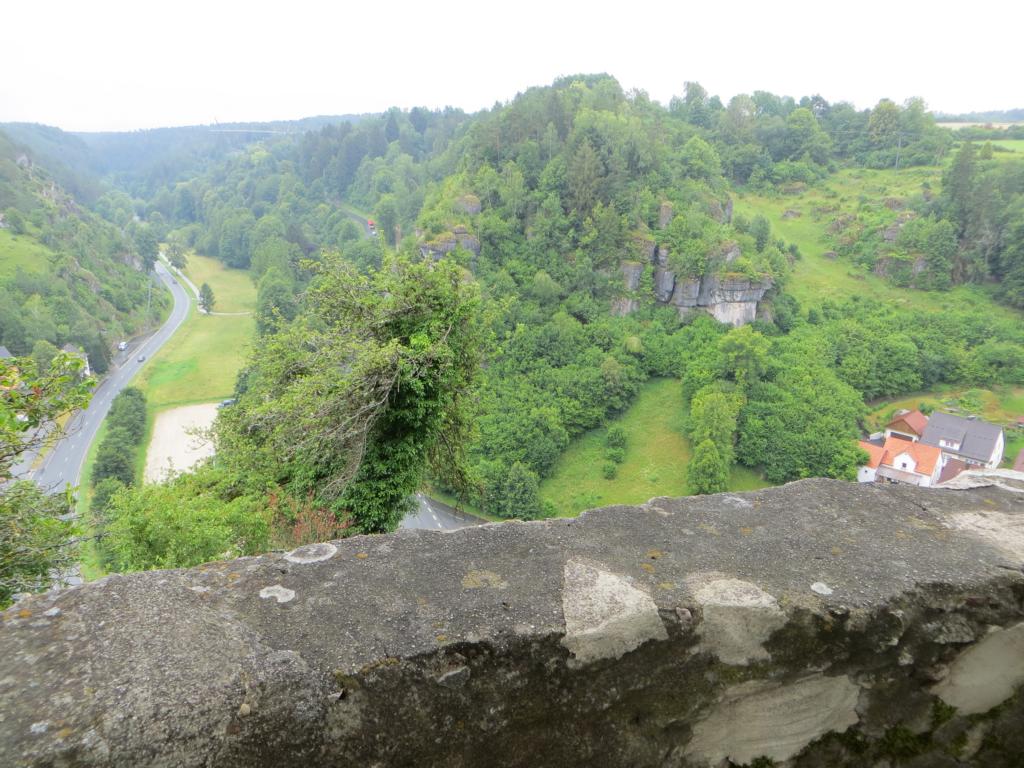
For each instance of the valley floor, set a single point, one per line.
(657, 454)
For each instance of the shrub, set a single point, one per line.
(609, 470)
(616, 437)
(615, 455)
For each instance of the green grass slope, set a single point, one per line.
(655, 464)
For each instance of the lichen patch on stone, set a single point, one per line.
(279, 593)
(311, 553)
(477, 579)
(756, 719)
(606, 615)
(738, 618)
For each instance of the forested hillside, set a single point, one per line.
(603, 234)
(66, 275)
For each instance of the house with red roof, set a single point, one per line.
(909, 425)
(901, 461)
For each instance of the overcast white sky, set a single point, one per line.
(112, 65)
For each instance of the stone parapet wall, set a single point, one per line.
(821, 623)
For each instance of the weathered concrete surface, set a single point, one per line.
(630, 636)
(774, 720)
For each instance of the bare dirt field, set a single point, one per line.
(173, 448)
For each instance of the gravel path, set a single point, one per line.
(174, 447)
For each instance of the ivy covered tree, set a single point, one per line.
(364, 391)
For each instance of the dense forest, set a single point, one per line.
(66, 274)
(536, 264)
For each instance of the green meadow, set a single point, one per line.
(200, 362)
(657, 454)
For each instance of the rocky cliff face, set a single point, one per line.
(444, 244)
(818, 624)
(728, 297)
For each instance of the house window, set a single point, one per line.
(903, 465)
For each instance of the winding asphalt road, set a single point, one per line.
(431, 514)
(63, 465)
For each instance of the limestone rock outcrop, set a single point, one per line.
(729, 297)
(444, 244)
(819, 623)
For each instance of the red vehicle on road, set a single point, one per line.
(371, 226)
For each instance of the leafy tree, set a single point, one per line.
(387, 217)
(884, 123)
(744, 356)
(357, 396)
(275, 301)
(206, 298)
(128, 412)
(584, 178)
(699, 160)
(544, 288)
(115, 457)
(234, 245)
(511, 492)
(713, 416)
(959, 186)
(176, 251)
(178, 524)
(707, 472)
(805, 138)
(615, 437)
(15, 221)
(42, 353)
(146, 245)
(36, 538)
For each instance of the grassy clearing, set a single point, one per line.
(21, 251)
(655, 462)
(811, 211)
(1015, 146)
(200, 362)
(1003, 406)
(233, 289)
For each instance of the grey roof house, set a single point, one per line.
(5, 354)
(974, 441)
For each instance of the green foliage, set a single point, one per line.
(65, 274)
(206, 297)
(609, 470)
(510, 491)
(615, 437)
(713, 415)
(708, 472)
(352, 400)
(128, 412)
(349, 395)
(13, 219)
(115, 458)
(184, 522)
(616, 455)
(36, 538)
(275, 300)
(126, 426)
